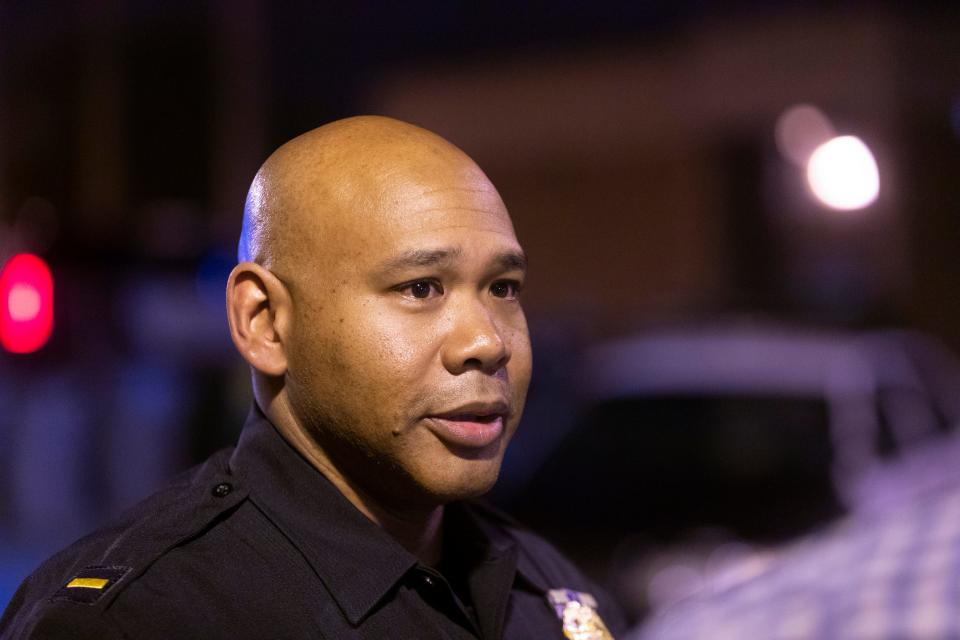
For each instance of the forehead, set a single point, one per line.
(457, 209)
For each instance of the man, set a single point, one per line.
(377, 303)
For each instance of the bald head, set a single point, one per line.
(377, 302)
(341, 174)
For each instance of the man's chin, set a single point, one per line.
(465, 486)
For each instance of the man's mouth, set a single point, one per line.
(473, 426)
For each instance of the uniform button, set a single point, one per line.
(222, 490)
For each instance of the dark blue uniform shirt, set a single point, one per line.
(256, 543)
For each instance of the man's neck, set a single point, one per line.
(418, 530)
(420, 534)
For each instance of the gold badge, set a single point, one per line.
(578, 613)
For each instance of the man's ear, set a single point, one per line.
(259, 314)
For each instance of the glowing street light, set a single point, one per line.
(842, 173)
(26, 304)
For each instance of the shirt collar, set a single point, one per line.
(491, 542)
(357, 561)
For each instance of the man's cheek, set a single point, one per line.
(400, 342)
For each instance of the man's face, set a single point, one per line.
(410, 359)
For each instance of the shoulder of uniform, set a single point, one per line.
(89, 574)
(59, 621)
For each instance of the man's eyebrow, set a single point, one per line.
(419, 258)
(510, 260)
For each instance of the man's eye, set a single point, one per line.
(505, 289)
(422, 289)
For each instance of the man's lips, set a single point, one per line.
(473, 425)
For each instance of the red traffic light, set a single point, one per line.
(26, 304)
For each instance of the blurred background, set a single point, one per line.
(743, 221)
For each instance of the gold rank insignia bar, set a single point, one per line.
(88, 583)
(578, 613)
(91, 583)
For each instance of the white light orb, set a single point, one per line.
(842, 173)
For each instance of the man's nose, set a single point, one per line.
(475, 340)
